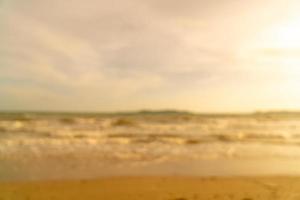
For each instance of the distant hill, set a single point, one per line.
(30, 114)
(167, 112)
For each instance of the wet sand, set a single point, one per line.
(160, 188)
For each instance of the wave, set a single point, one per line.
(149, 134)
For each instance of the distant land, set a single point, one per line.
(151, 112)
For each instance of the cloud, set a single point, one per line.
(138, 53)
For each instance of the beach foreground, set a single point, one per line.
(161, 188)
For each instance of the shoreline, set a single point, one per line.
(70, 169)
(157, 187)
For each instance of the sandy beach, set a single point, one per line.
(160, 188)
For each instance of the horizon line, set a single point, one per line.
(179, 111)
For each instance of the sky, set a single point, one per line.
(197, 55)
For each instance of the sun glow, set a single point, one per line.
(286, 36)
(278, 46)
(283, 35)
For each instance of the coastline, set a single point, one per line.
(64, 168)
(155, 187)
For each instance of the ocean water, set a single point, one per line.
(54, 145)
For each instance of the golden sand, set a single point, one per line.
(160, 188)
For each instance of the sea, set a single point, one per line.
(37, 145)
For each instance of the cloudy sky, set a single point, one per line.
(199, 55)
